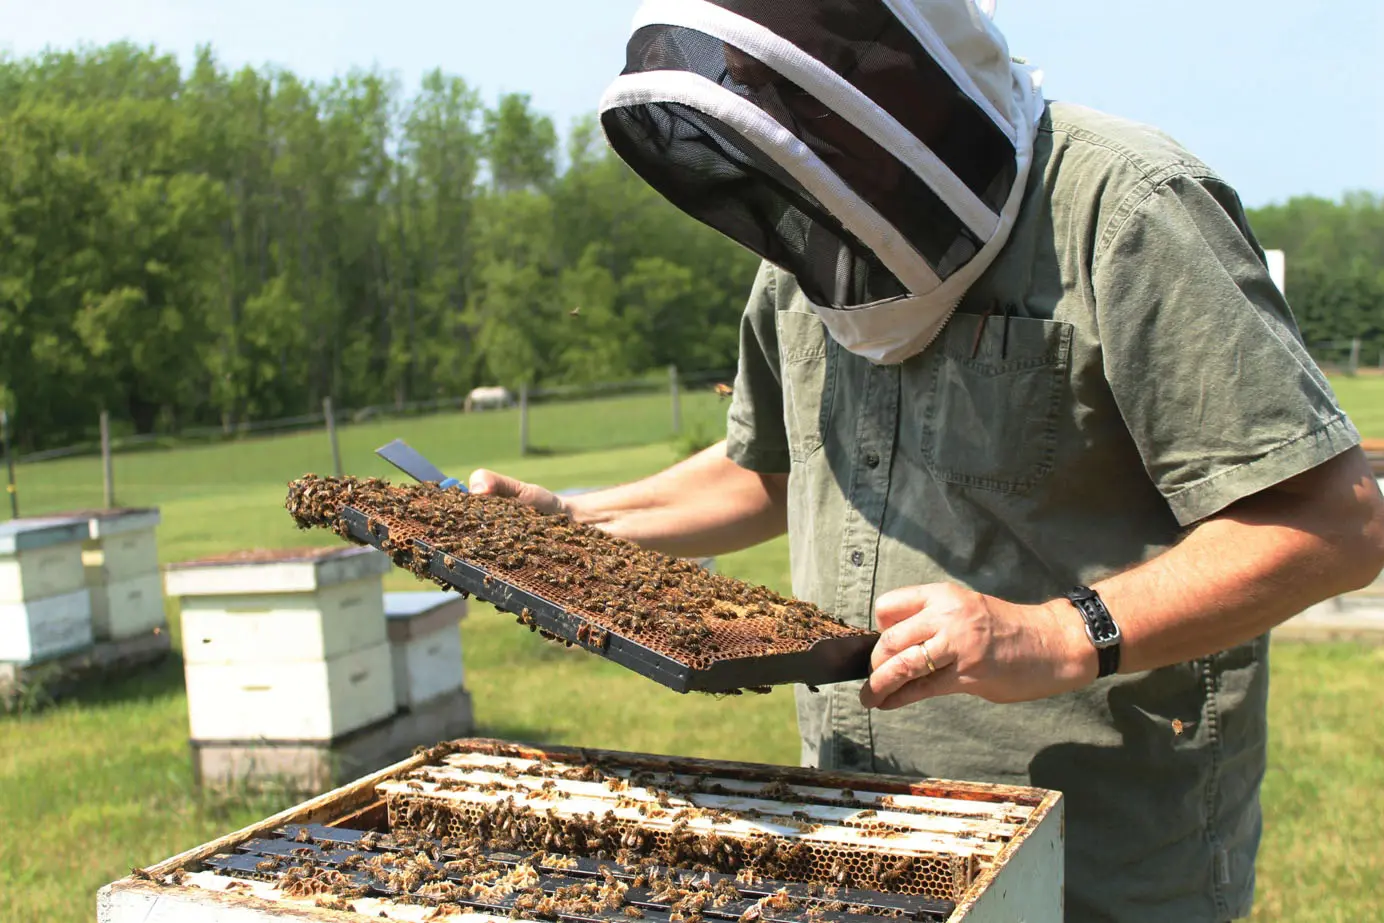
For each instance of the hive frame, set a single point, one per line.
(1024, 883)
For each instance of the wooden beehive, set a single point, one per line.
(931, 850)
(41, 558)
(425, 643)
(121, 561)
(45, 609)
(284, 645)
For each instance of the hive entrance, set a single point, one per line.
(666, 618)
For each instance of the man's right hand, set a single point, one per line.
(484, 481)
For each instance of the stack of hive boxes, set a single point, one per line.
(425, 637)
(45, 608)
(290, 667)
(284, 646)
(121, 560)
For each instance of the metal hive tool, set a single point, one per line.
(738, 653)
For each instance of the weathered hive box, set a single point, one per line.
(45, 609)
(41, 558)
(121, 561)
(284, 645)
(486, 831)
(425, 642)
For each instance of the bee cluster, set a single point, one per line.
(338, 868)
(664, 603)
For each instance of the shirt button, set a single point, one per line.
(872, 460)
(857, 558)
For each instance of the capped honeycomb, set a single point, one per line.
(833, 838)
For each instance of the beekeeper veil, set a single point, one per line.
(875, 149)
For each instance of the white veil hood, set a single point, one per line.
(877, 150)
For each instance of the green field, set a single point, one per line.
(97, 784)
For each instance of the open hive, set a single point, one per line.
(665, 618)
(485, 831)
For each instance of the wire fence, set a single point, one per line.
(1348, 357)
(522, 398)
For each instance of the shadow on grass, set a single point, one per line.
(156, 680)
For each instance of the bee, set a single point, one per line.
(1177, 727)
(141, 874)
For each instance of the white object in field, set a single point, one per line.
(488, 398)
(125, 608)
(42, 629)
(295, 571)
(284, 627)
(1278, 268)
(106, 523)
(120, 556)
(303, 700)
(425, 638)
(40, 558)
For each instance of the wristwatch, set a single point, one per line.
(1100, 628)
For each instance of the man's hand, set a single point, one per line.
(978, 644)
(498, 485)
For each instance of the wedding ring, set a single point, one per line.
(927, 658)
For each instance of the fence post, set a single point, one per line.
(1354, 355)
(107, 465)
(524, 419)
(677, 399)
(9, 462)
(331, 434)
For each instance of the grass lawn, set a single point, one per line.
(97, 784)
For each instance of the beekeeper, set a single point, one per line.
(1016, 381)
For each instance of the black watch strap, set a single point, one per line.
(1100, 628)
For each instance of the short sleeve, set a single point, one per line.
(755, 434)
(1203, 356)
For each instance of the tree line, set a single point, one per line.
(204, 246)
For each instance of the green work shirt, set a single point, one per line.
(1138, 372)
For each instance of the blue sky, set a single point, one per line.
(1281, 98)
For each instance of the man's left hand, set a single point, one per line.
(977, 644)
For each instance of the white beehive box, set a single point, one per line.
(310, 700)
(127, 608)
(425, 640)
(284, 645)
(42, 629)
(1002, 846)
(40, 558)
(121, 545)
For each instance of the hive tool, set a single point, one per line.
(411, 462)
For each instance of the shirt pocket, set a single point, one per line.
(995, 398)
(805, 354)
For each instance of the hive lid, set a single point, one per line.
(102, 523)
(40, 532)
(277, 570)
(413, 615)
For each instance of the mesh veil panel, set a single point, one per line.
(864, 43)
(702, 166)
